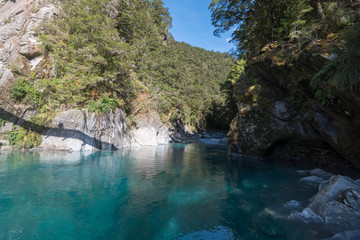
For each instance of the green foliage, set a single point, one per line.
(236, 71)
(257, 23)
(187, 81)
(105, 104)
(342, 73)
(106, 53)
(24, 90)
(22, 138)
(2, 122)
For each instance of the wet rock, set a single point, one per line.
(307, 216)
(337, 213)
(336, 203)
(347, 235)
(293, 205)
(321, 173)
(350, 198)
(313, 181)
(332, 188)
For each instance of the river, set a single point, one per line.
(176, 191)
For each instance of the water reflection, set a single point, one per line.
(180, 191)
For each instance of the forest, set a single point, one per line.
(111, 54)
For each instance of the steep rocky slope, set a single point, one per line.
(280, 115)
(70, 129)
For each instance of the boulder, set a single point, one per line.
(331, 189)
(293, 205)
(307, 216)
(346, 235)
(313, 181)
(337, 202)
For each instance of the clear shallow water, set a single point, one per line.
(167, 192)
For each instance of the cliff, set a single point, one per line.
(282, 115)
(68, 129)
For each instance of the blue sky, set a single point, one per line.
(192, 24)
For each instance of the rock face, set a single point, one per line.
(71, 130)
(76, 130)
(19, 39)
(279, 117)
(149, 130)
(80, 130)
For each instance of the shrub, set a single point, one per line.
(105, 104)
(23, 138)
(24, 90)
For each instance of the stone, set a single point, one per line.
(350, 198)
(150, 130)
(76, 130)
(19, 42)
(313, 181)
(346, 235)
(337, 213)
(293, 205)
(332, 188)
(283, 111)
(321, 173)
(307, 216)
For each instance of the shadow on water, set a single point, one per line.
(56, 132)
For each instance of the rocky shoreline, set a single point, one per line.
(336, 205)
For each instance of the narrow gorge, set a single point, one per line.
(110, 128)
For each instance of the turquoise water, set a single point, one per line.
(178, 191)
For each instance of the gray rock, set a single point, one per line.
(307, 216)
(313, 181)
(332, 188)
(321, 173)
(347, 235)
(76, 130)
(149, 130)
(303, 172)
(293, 205)
(357, 182)
(337, 213)
(336, 203)
(350, 198)
(316, 172)
(18, 38)
(6, 149)
(283, 111)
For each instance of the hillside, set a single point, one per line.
(101, 56)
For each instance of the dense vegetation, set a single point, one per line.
(301, 23)
(105, 54)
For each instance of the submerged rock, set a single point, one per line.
(347, 235)
(293, 205)
(307, 215)
(313, 181)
